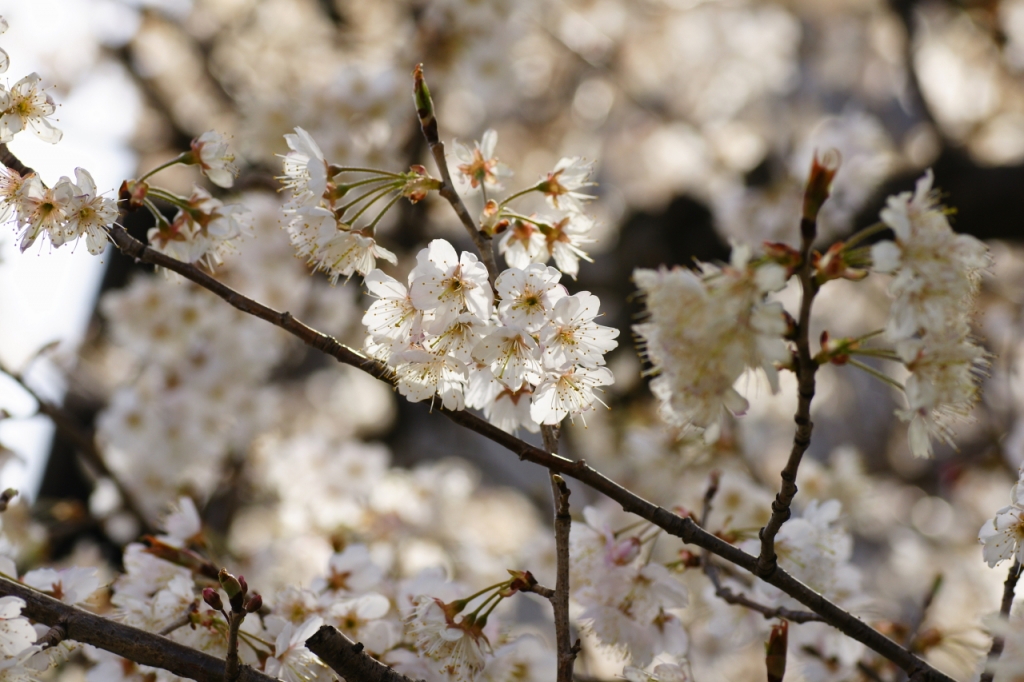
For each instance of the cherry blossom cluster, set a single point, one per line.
(705, 329)
(525, 239)
(323, 211)
(630, 602)
(937, 274)
(65, 212)
(534, 358)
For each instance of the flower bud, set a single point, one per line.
(819, 183)
(234, 587)
(212, 599)
(253, 603)
(775, 652)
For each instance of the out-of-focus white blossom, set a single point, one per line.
(937, 276)
(705, 329)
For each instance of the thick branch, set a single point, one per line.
(136, 645)
(806, 367)
(684, 528)
(348, 659)
(85, 446)
(428, 124)
(998, 642)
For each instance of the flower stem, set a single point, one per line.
(875, 373)
(864, 234)
(173, 162)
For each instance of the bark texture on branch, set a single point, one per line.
(348, 659)
(136, 645)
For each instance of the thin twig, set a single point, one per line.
(998, 642)
(54, 636)
(726, 594)
(174, 625)
(232, 663)
(348, 659)
(428, 124)
(560, 601)
(85, 445)
(684, 528)
(806, 367)
(145, 648)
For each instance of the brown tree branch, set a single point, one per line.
(85, 445)
(806, 368)
(428, 123)
(560, 492)
(136, 645)
(684, 528)
(998, 642)
(348, 659)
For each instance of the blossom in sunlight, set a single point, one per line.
(459, 647)
(1002, 536)
(512, 355)
(348, 252)
(43, 209)
(443, 282)
(938, 271)
(305, 169)
(478, 166)
(562, 185)
(573, 337)
(88, 214)
(210, 151)
(202, 232)
(937, 274)
(523, 243)
(705, 329)
(564, 239)
(421, 375)
(567, 392)
(27, 106)
(393, 314)
(528, 295)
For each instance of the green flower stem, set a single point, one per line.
(875, 373)
(380, 215)
(520, 193)
(180, 159)
(864, 234)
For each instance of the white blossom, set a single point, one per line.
(572, 337)
(704, 330)
(567, 392)
(26, 105)
(305, 169)
(210, 151)
(444, 283)
(528, 295)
